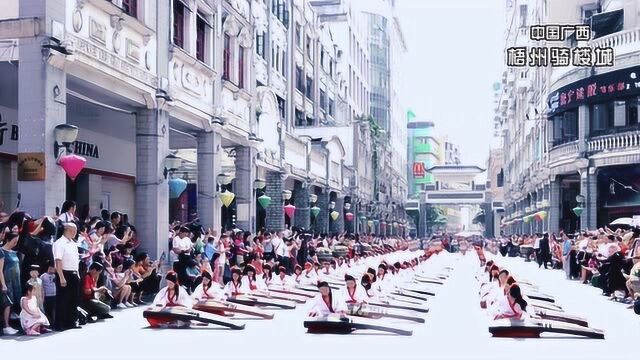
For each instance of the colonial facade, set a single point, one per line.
(572, 150)
(228, 87)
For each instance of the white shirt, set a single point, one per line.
(183, 244)
(279, 246)
(67, 251)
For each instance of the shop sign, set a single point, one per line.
(595, 89)
(31, 167)
(418, 170)
(8, 130)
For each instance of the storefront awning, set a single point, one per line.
(607, 23)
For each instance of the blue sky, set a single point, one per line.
(455, 54)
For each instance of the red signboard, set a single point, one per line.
(418, 170)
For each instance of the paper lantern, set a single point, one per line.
(315, 211)
(264, 201)
(334, 215)
(348, 216)
(542, 214)
(376, 222)
(289, 210)
(363, 218)
(578, 210)
(370, 223)
(227, 198)
(72, 165)
(176, 187)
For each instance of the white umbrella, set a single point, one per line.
(622, 221)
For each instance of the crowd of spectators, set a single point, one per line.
(60, 272)
(604, 258)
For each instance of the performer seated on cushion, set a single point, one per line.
(488, 288)
(296, 278)
(173, 294)
(352, 293)
(282, 279)
(366, 281)
(207, 290)
(511, 306)
(266, 279)
(326, 302)
(309, 275)
(250, 279)
(236, 286)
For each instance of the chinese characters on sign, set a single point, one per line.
(557, 56)
(595, 89)
(7, 132)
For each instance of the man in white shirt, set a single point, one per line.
(182, 242)
(182, 247)
(65, 254)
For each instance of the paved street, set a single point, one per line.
(455, 329)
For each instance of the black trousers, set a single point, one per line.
(50, 308)
(67, 299)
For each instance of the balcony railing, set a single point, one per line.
(623, 42)
(564, 151)
(619, 141)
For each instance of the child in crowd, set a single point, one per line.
(35, 281)
(32, 319)
(49, 290)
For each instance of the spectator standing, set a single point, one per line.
(9, 279)
(65, 252)
(35, 281)
(49, 291)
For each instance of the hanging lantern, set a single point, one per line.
(313, 198)
(376, 222)
(370, 223)
(542, 214)
(347, 206)
(289, 210)
(348, 216)
(227, 198)
(578, 210)
(72, 165)
(264, 201)
(315, 211)
(334, 215)
(363, 218)
(383, 223)
(176, 187)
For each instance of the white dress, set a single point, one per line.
(214, 292)
(358, 296)
(27, 320)
(318, 307)
(232, 289)
(162, 300)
